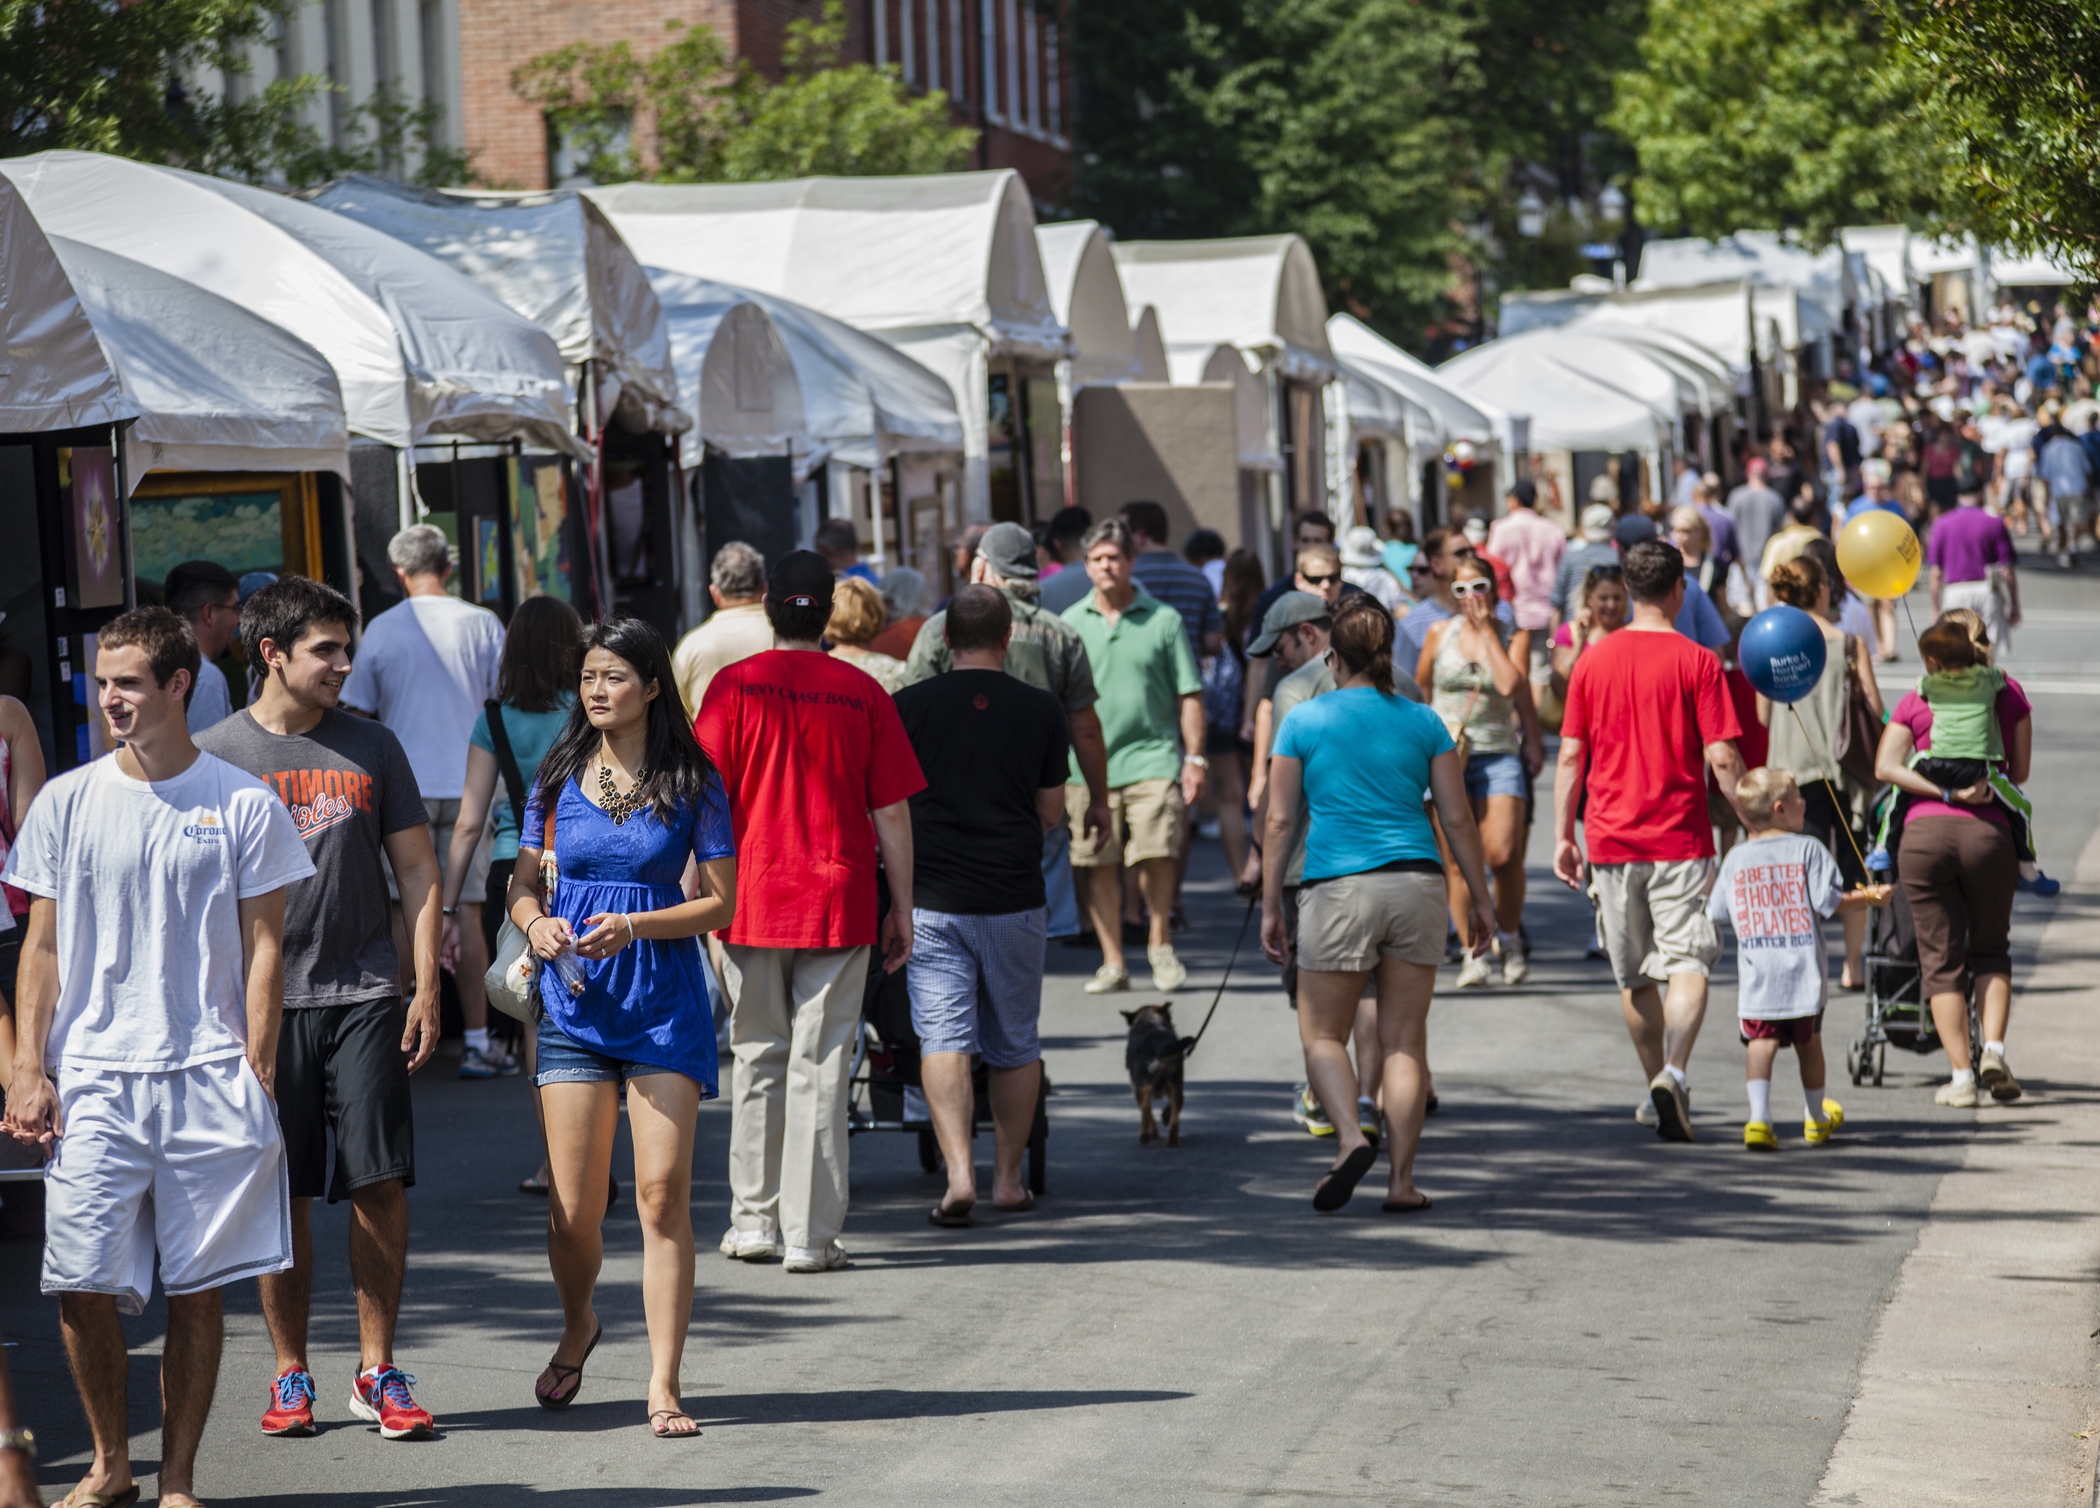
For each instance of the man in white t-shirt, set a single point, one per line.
(424, 668)
(151, 985)
(207, 596)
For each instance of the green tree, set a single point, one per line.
(708, 120)
(2011, 91)
(1778, 114)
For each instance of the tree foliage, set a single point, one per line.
(99, 77)
(706, 119)
(1779, 114)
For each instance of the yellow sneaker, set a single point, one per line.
(1759, 1136)
(1819, 1131)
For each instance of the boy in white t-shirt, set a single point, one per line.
(1774, 889)
(150, 986)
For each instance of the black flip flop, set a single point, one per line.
(1393, 1207)
(1334, 1190)
(1027, 1203)
(562, 1374)
(532, 1186)
(950, 1219)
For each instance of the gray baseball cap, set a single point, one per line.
(1009, 550)
(1288, 611)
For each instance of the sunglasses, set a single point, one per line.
(1419, 568)
(1471, 588)
(1328, 580)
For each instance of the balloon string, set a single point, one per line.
(1912, 620)
(1824, 776)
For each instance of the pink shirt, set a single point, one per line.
(1532, 548)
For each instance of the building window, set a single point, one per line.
(573, 152)
(882, 33)
(1029, 34)
(905, 40)
(989, 24)
(1014, 103)
(958, 86)
(1055, 84)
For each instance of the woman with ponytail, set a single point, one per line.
(1374, 897)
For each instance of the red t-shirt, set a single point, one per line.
(807, 746)
(1645, 706)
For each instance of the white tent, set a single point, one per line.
(1149, 350)
(734, 369)
(1571, 407)
(1713, 317)
(54, 374)
(1459, 415)
(2039, 270)
(1887, 250)
(943, 267)
(1259, 293)
(554, 259)
(1250, 407)
(1087, 296)
(1823, 281)
(416, 347)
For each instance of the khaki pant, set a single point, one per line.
(793, 1015)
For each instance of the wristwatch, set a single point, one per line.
(1946, 795)
(18, 1439)
(1197, 760)
(451, 910)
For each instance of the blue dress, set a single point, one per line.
(647, 1003)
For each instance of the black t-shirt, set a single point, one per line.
(987, 743)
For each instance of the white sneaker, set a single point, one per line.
(1107, 979)
(761, 1245)
(1168, 972)
(817, 1258)
(1644, 1114)
(1475, 972)
(1960, 1096)
(1516, 968)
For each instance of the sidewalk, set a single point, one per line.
(1979, 1385)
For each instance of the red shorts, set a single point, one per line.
(1787, 1031)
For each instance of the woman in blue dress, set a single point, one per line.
(644, 864)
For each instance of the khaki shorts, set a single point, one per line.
(1144, 823)
(1654, 919)
(1346, 925)
(444, 816)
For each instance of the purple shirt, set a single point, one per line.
(1966, 543)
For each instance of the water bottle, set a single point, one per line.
(568, 968)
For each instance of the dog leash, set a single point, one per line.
(1188, 1044)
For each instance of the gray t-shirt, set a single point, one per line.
(347, 784)
(1309, 680)
(1775, 891)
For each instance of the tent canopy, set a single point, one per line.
(862, 400)
(1087, 296)
(1571, 408)
(1824, 280)
(1378, 407)
(1147, 349)
(2041, 270)
(1714, 317)
(1459, 415)
(735, 369)
(53, 372)
(553, 258)
(416, 347)
(1887, 250)
(1259, 293)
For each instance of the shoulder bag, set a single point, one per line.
(1859, 732)
(513, 980)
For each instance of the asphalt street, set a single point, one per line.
(1588, 1316)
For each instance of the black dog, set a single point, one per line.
(1153, 1055)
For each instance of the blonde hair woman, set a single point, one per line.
(857, 616)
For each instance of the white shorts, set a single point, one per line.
(188, 1164)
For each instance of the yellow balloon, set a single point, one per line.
(1879, 554)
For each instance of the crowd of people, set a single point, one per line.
(236, 925)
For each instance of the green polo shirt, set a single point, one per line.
(1142, 670)
(1044, 651)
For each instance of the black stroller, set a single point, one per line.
(1897, 1013)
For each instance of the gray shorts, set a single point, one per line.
(1654, 918)
(977, 984)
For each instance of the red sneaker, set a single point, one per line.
(381, 1395)
(291, 1410)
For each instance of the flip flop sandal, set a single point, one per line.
(667, 1415)
(532, 1186)
(1334, 1190)
(80, 1497)
(1394, 1207)
(1026, 1204)
(957, 1218)
(563, 1374)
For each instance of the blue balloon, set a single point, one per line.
(1782, 653)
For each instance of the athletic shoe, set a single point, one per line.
(1473, 974)
(1516, 967)
(291, 1410)
(1818, 1131)
(1995, 1079)
(817, 1258)
(490, 1063)
(1759, 1136)
(751, 1245)
(1107, 979)
(1168, 972)
(1958, 1096)
(1306, 1111)
(1673, 1107)
(1368, 1120)
(381, 1395)
(2041, 885)
(1644, 1113)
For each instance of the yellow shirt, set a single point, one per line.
(731, 634)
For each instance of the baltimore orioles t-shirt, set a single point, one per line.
(347, 784)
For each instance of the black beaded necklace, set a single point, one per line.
(617, 806)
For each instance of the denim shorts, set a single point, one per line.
(1495, 775)
(565, 1061)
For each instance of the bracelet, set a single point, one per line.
(1197, 760)
(542, 917)
(18, 1439)
(451, 910)
(628, 917)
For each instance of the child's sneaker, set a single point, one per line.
(1306, 1111)
(1759, 1136)
(1818, 1131)
(2041, 885)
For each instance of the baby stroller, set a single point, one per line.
(884, 1092)
(1897, 1012)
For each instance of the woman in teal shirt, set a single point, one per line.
(535, 688)
(1373, 898)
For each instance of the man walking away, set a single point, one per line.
(1758, 513)
(348, 1044)
(1647, 713)
(425, 668)
(838, 542)
(207, 596)
(1152, 719)
(1161, 573)
(1533, 549)
(994, 753)
(149, 986)
(736, 630)
(809, 749)
(2068, 473)
(1971, 563)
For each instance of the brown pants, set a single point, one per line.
(1959, 874)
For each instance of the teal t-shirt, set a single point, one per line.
(1142, 670)
(531, 734)
(1366, 758)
